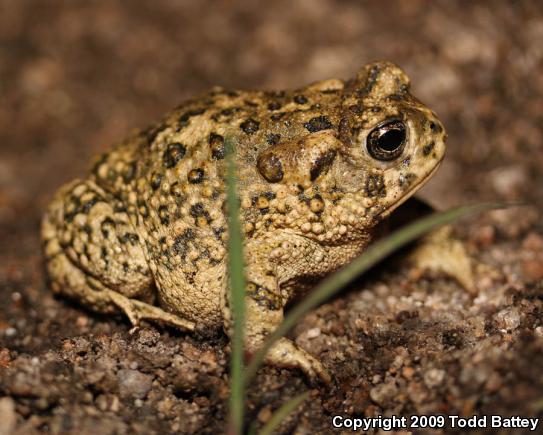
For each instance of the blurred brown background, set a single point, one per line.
(77, 76)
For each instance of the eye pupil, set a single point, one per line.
(386, 142)
(391, 139)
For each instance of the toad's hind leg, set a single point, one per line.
(94, 256)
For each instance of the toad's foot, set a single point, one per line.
(284, 353)
(136, 310)
(440, 252)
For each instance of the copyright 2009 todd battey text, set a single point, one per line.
(415, 422)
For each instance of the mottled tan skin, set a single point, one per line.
(145, 231)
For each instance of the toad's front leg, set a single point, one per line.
(265, 301)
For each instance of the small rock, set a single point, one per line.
(133, 384)
(313, 333)
(408, 372)
(533, 269)
(508, 318)
(5, 357)
(264, 414)
(533, 242)
(434, 377)
(384, 394)
(508, 181)
(10, 332)
(8, 418)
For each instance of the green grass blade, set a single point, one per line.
(282, 413)
(237, 288)
(375, 253)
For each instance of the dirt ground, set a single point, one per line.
(75, 77)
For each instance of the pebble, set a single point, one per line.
(384, 394)
(434, 377)
(533, 269)
(508, 318)
(133, 384)
(313, 333)
(533, 242)
(10, 332)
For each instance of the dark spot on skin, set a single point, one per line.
(318, 123)
(428, 148)
(198, 211)
(106, 226)
(375, 186)
(396, 97)
(321, 164)
(104, 256)
(249, 126)
(216, 143)
(218, 232)
(175, 152)
(86, 207)
(270, 167)
(184, 119)
(163, 215)
(273, 138)
(269, 195)
(436, 128)
(277, 116)
(156, 179)
(143, 210)
(131, 238)
(196, 176)
(176, 190)
(99, 162)
(300, 99)
(263, 296)
(376, 109)
(274, 105)
(128, 172)
(126, 269)
(87, 229)
(356, 109)
(372, 79)
(181, 243)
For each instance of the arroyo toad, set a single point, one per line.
(319, 167)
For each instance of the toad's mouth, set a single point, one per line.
(385, 213)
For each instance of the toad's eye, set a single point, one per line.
(387, 141)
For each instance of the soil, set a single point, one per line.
(76, 77)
